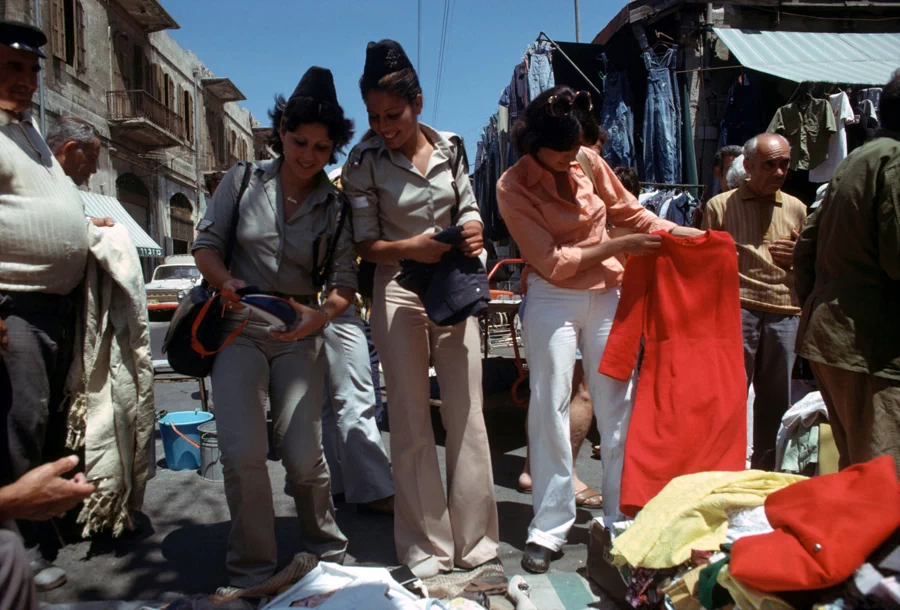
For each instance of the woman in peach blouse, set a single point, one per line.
(558, 216)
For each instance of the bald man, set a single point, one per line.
(764, 223)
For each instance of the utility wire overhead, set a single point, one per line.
(441, 59)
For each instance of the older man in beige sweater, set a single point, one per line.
(43, 253)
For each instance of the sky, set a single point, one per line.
(265, 46)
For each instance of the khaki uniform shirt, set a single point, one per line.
(808, 128)
(273, 254)
(43, 230)
(755, 223)
(392, 200)
(848, 265)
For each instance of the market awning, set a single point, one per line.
(101, 206)
(855, 59)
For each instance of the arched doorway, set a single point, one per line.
(135, 198)
(182, 216)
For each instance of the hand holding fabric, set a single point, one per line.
(686, 232)
(425, 249)
(639, 244)
(311, 320)
(473, 239)
(103, 222)
(230, 296)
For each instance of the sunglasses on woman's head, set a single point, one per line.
(562, 105)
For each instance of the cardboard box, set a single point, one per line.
(599, 565)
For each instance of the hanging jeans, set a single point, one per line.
(618, 120)
(660, 121)
(540, 70)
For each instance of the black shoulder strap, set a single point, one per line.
(457, 158)
(320, 274)
(235, 214)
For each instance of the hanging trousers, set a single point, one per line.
(434, 531)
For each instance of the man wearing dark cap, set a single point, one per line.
(43, 252)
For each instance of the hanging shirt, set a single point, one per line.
(837, 145)
(807, 124)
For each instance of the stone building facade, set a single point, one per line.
(169, 127)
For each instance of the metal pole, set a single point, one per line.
(419, 41)
(43, 112)
(197, 170)
(577, 22)
(543, 36)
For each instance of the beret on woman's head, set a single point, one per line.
(317, 84)
(383, 58)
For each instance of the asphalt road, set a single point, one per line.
(185, 522)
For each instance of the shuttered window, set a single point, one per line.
(58, 29)
(80, 36)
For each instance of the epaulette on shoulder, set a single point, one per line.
(356, 155)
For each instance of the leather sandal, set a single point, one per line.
(536, 558)
(589, 498)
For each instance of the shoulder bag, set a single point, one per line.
(194, 335)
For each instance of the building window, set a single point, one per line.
(181, 219)
(137, 67)
(67, 24)
(188, 106)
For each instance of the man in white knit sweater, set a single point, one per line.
(43, 252)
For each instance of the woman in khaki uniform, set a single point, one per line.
(401, 188)
(287, 218)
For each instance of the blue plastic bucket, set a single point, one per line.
(180, 454)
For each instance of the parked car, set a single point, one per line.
(171, 282)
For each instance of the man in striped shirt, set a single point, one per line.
(764, 223)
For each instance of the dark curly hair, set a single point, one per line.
(537, 129)
(629, 179)
(403, 83)
(297, 111)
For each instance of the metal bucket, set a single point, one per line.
(210, 458)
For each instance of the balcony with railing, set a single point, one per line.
(145, 119)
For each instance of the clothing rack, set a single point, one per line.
(543, 36)
(701, 187)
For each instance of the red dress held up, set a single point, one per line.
(690, 411)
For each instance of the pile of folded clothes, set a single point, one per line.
(757, 540)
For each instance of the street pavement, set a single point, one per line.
(184, 526)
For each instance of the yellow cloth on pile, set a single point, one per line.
(748, 598)
(691, 513)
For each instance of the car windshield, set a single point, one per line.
(177, 272)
